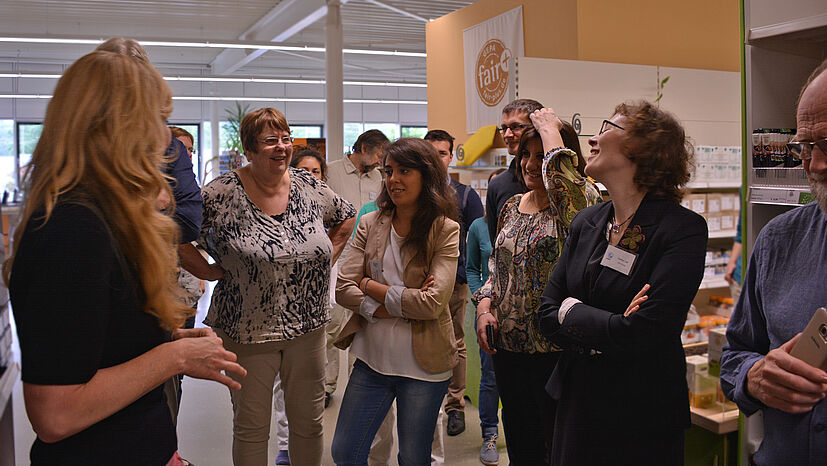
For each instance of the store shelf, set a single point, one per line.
(709, 283)
(713, 185)
(780, 195)
(697, 348)
(715, 420)
(7, 381)
(722, 234)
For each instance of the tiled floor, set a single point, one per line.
(205, 425)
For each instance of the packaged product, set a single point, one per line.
(717, 341)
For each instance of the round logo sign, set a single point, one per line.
(492, 72)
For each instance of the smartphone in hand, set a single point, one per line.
(812, 346)
(489, 334)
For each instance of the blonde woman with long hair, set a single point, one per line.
(92, 277)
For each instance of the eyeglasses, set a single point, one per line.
(804, 150)
(272, 141)
(515, 127)
(605, 126)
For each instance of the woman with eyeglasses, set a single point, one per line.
(273, 231)
(617, 300)
(531, 232)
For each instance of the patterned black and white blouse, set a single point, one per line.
(276, 268)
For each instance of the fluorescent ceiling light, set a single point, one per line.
(247, 99)
(210, 45)
(221, 79)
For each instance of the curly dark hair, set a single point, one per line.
(298, 156)
(657, 144)
(436, 200)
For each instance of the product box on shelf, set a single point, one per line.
(713, 203)
(713, 222)
(697, 202)
(717, 341)
(701, 385)
(729, 220)
(730, 202)
(717, 165)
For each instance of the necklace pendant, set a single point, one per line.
(615, 228)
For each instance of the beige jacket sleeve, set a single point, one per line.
(444, 253)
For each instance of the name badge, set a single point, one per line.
(372, 196)
(618, 259)
(376, 269)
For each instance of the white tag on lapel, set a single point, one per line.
(376, 269)
(618, 259)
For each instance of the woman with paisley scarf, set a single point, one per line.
(532, 229)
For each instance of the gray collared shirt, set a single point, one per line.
(783, 287)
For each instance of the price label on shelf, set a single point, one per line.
(763, 195)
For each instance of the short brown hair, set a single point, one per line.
(369, 141)
(527, 106)
(441, 135)
(255, 122)
(657, 144)
(181, 132)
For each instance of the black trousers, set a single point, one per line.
(528, 411)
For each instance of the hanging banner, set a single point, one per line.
(487, 48)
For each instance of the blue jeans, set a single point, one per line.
(489, 397)
(366, 402)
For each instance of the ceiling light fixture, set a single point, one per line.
(247, 99)
(209, 45)
(220, 79)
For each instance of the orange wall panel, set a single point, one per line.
(552, 24)
(700, 34)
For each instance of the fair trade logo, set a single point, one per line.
(492, 72)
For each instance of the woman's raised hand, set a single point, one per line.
(202, 355)
(545, 119)
(639, 298)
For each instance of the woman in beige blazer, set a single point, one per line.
(398, 279)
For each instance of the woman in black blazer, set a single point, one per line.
(618, 298)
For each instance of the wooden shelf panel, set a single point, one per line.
(715, 420)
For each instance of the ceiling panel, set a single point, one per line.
(365, 25)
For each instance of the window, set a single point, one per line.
(27, 136)
(391, 130)
(306, 131)
(7, 179)
(353, 130)
(414, 131)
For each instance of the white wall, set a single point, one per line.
(708, 103)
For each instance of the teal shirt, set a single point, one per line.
(477, 252)
(366, 209)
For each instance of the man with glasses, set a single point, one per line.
(514, 121)
(783, 287)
